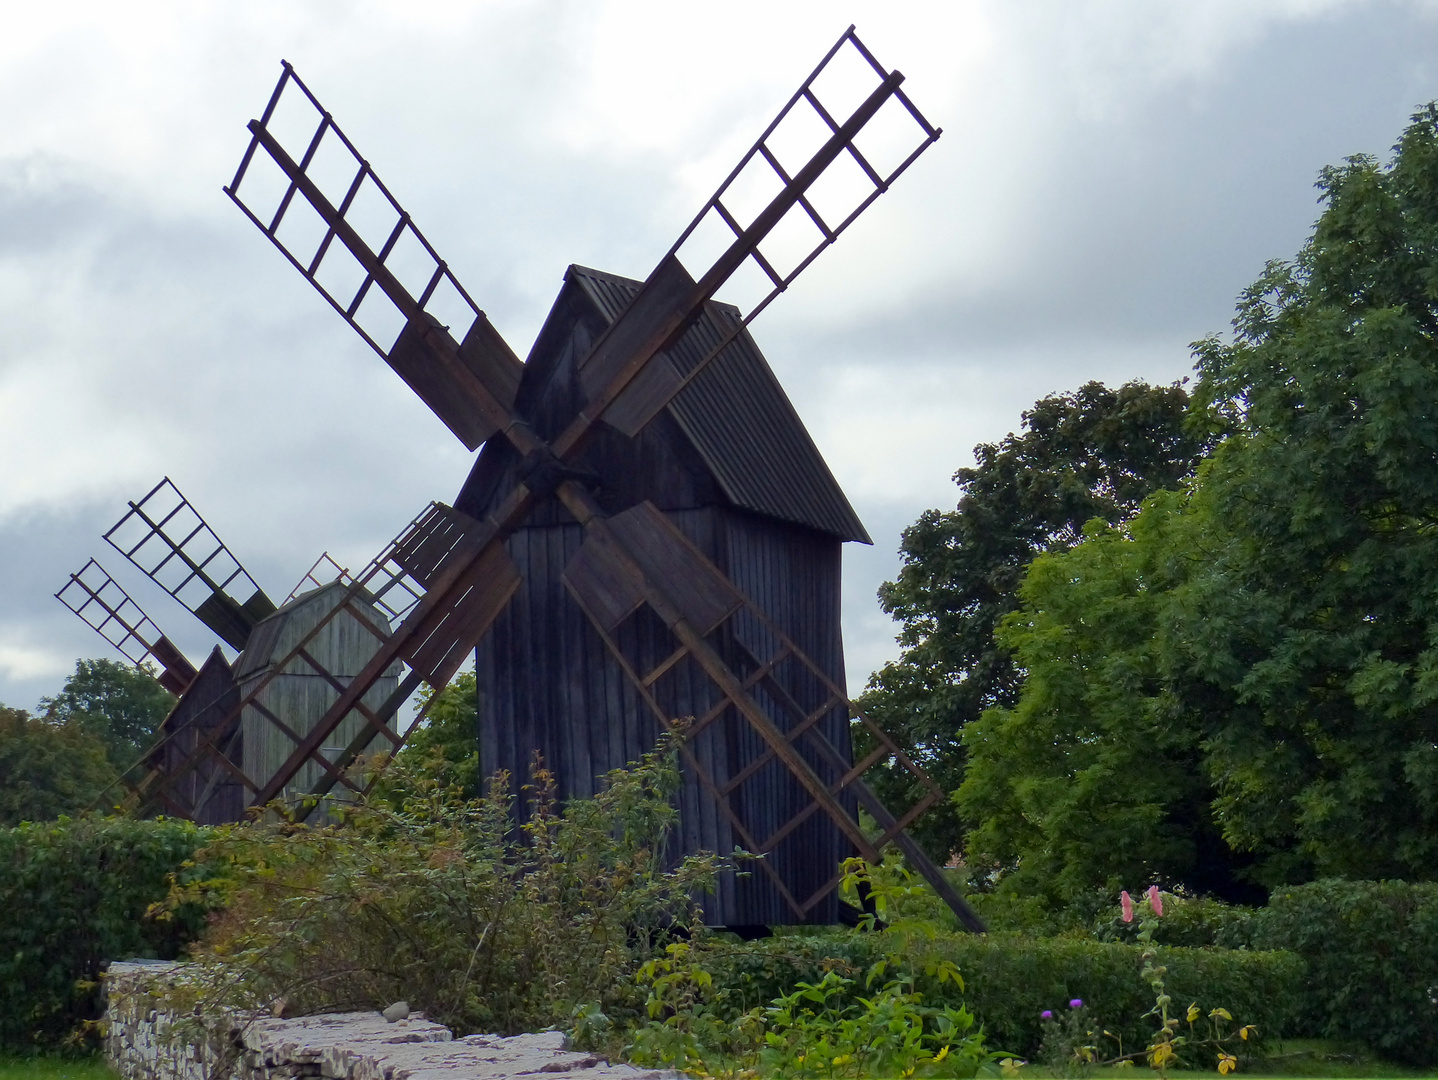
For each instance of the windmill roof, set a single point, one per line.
(744, 427)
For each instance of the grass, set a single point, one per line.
(55, 1068)
(1289, 1059)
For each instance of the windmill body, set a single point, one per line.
(210, 793)
(296, 694)
(730, 464)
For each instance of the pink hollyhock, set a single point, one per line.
(1154, 901)
(1126, 901)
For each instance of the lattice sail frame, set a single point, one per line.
(107, 608)
(627, 377)
(167, 539)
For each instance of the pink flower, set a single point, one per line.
(1154, 901)
(1126, 901)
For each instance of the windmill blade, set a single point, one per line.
(171, 543)
(107, 609)
(383, 276)
(792, 218)
(640, 557)
(470, 580)
(326, 566)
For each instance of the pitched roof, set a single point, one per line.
(743, 425)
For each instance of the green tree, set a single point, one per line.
(120, 705)
(1275, 631)
(1322, 615)
(445, 748)
(47, 769)
(1096, 452)
(1095, 778)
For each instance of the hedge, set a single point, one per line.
(1011, 978)
(74, 894)
(1372, 954)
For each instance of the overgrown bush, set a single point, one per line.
(75, 893)
(441, 902)
(1372, 954)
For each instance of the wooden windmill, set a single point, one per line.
(649, 539)
(220, 742)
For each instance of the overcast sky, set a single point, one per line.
(1111, 174)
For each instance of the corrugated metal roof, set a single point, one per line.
(742, 423)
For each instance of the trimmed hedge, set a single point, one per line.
(1011, 978)
(74, 895)
(1372, 954)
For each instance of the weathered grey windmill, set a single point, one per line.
(649, 539)
(213, 753)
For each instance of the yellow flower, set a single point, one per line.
(945, 1053)
(1160, 1054)
(1243, 1031)
(1193, 1012)
(1223, 1013)
(1226, 1063)
(843, 1059)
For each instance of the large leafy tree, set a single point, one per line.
(1095, 777)
(1096, 452)
(1273, 633)
(1322, 617)
(119, 704)
(48, 769)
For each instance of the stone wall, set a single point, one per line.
(148, 1037)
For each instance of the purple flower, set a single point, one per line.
(1076, 1003)
(1047, 1014)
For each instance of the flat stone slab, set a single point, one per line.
(339, 1046)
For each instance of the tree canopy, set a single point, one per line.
(47, 769)
(1255, 656)
(119, 704)
(1096, 452)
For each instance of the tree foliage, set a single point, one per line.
(1322, 617)
(1260, 654)
(47, 769)
(120, 705)
(1093, 453)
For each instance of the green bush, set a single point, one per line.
(1010, 979)
(1372, 954)
(1190, 922)
(75, 893)
(441, 902)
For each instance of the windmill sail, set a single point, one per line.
(106, 608)
(171, 543)
(382, 276)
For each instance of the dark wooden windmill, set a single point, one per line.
(649, 539)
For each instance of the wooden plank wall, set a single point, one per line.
(298, 695)
(204, 706)
(547, 683)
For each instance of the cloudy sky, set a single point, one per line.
(1111, 175)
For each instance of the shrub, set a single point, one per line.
(1372, 954)
(441, 902)
(75, 893)
(1010, 979)
(1191, 922)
